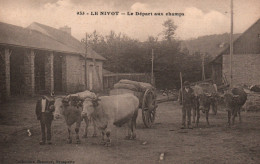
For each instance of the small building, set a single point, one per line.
(40, 59)
(246, 60)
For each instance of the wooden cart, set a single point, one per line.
(147, 100)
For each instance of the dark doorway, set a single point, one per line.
(39, 62)
(57, 73)
(17, 81)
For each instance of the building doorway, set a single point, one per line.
(17, 81)
(39, 63)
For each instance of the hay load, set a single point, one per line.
(126, 86)
(204, 88)
(133, 85)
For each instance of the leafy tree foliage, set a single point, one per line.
(169, 29)
(127, 55)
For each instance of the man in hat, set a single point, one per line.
(186, 96)
(44, 113)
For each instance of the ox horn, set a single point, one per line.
(208, 94)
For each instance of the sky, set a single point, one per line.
(201, 17)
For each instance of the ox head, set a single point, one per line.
(89, 106)
(204, 100)
(59, 106)
(230, 100)
(75, 101)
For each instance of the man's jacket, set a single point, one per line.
(187, 97)
(49, 108)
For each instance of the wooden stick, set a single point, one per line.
(181, 88)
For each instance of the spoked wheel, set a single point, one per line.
(149, 108)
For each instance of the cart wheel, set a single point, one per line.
(148, 115)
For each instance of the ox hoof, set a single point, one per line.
(108, 144)
(78, 142)
(128, 137)
(85, 136)
(69, 141)
(133, 137)
(102, 142)
(94, 135)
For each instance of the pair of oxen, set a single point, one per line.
(104, 112)
(206, 95)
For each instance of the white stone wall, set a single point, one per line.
(245, 68)
(75, 78)
(74, 72)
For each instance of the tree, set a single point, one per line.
(169, 29)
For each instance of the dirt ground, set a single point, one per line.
(214, 144)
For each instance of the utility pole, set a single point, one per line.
(231, 45)
(203, 68)
(152, 78)
(181, 88)
(85, 60)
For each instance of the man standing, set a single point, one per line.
(44, 113)
(186, 96)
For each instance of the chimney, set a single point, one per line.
(66, 29)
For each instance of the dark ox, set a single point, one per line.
(109, 111)
(234, 99)
(203, 100)
(70, 108)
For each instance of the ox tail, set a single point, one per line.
(135, 117)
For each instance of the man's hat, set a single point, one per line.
(186, 83)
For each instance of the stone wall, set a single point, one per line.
(4, 74)
(49, 79)
(245, 68)
(75, 78)
(29, 76)
(74, 73)
(64, 73)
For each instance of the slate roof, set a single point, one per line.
(226, 50)
(106, 72)
(38, 36)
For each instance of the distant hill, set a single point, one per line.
(211, 44)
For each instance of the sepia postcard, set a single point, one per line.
(129, 81)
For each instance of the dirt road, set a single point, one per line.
(214, 144)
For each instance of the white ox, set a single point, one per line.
(108, 111)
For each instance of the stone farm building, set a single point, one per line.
(246, 60)
(41, 59)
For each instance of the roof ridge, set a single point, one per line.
(43, 26)
(58, 30)
(234, 41)
(37, 37)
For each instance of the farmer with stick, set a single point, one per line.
(186, 96)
